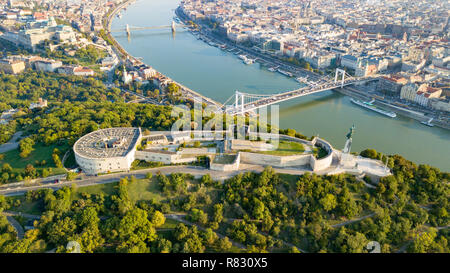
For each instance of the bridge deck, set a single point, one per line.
(145, 28)
(277, 98)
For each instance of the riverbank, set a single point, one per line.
(418, 116)
(121, 52)
(187, 92)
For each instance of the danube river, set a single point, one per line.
(217, 74)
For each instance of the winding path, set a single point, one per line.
(12, 144)
(16, 225)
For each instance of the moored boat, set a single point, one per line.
(370, 106)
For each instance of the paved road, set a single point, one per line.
(359, 178)
(12, 144)
(111, 178)
(24, 215)
(353, 221)
(15, 189)
(17, 226)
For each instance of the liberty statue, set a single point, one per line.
(348, 144)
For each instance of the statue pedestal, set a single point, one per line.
(348, 160)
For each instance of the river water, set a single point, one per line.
(217, 74)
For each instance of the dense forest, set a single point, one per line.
(250, 212)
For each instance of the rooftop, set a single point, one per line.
(108, 143)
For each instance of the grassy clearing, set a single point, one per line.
(106, 189)
(34, 207)
(70, 161)
(40, 153)
(286, 148)
(142, 189)
(169, 224)
(145, 189)
(320, 152)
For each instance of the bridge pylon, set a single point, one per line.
(338, 73)
(127, 29)
(173, 27)
(239, 102)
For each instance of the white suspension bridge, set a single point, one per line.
(129, 28)
(247, 103)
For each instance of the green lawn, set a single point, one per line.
(40, 153)
(35, 207)
(106, 189)
(70, 161)
(169, 224)
(286, 148)
(142, 189)
(320, 152)
(145, 189)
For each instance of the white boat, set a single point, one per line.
(370, 106)
(272, 69)
(285, 73)
(302, 79)
(428, 123)
(248, 61)
(242, 57)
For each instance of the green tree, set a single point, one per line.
(328, 202)
(224, 244)
(60, 231)
(369, 153)
(26, 147)
(135, 230)
(158, 219)
(199, 216)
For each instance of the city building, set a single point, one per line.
(31, 37)
(11, 66)
(40, 104)
(47, 65)
(391, 84)
(425, 93)
(83, 71)
(408, 91)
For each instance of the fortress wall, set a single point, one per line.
(227, 167)
(323, 163)
(276, 161)
(149, 156)
(197, 151)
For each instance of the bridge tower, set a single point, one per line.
(239, 102)
(338, 73)
(127, 29)
(173, 27)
